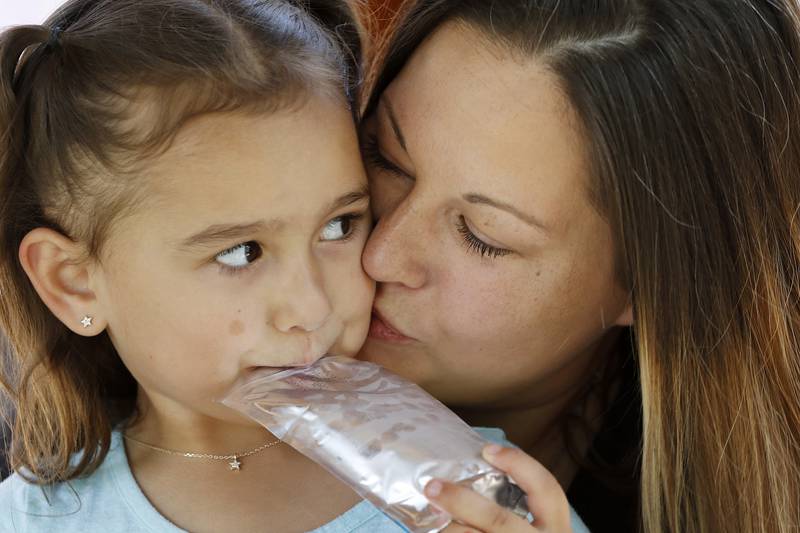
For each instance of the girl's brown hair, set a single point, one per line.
(690, 110)
(85, 100)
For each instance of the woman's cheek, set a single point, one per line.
(483, 305)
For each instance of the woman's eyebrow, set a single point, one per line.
(529, 219)
(398, 133)
(472, 198)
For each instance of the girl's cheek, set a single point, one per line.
(236, 328)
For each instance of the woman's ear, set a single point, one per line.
(61, 274)
(626, 317)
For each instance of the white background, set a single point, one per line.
(13, 12)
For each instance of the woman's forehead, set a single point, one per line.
(486, 122)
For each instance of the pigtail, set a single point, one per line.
(51, 373)
(14, 43)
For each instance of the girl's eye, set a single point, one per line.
(340, 228)
(240, 256)
(474, 244)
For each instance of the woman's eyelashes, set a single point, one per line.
(239, 258)
(373, 157)
(475, 245)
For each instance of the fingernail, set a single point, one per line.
(433, 489)
(491, 450)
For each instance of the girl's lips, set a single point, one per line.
(381, 329)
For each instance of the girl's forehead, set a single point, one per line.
(276, 170)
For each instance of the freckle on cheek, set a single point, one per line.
(236, 327)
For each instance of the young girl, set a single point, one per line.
(182, 202)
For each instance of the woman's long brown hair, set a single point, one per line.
(85, 100)
(691, 112)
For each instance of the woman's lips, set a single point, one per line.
(383, 330)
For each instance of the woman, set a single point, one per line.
(547, 173)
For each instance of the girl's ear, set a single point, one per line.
(61, 274)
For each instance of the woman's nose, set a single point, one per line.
(305, 305)
(394, 251)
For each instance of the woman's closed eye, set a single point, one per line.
(476, 245)
(373, 157)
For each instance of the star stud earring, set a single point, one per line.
(86, 321)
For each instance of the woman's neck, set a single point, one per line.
(536, 430)
(539, 429)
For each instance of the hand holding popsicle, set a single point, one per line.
(473, 512)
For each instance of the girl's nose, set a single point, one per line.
(305, 304)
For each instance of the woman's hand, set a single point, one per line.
(473, 512)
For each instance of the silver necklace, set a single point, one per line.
(234, 463)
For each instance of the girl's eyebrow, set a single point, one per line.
(222, 233)
(216, 234)
(349, 198)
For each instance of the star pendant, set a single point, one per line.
(235, 464)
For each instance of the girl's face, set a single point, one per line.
(246, 254)
(496, 274)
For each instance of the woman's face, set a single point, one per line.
(496, 274)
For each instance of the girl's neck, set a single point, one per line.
(202, 494)
(174, 428)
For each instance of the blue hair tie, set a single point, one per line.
(54, 40)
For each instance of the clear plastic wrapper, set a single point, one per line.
(380, 434)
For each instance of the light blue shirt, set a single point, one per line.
(110, 500)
